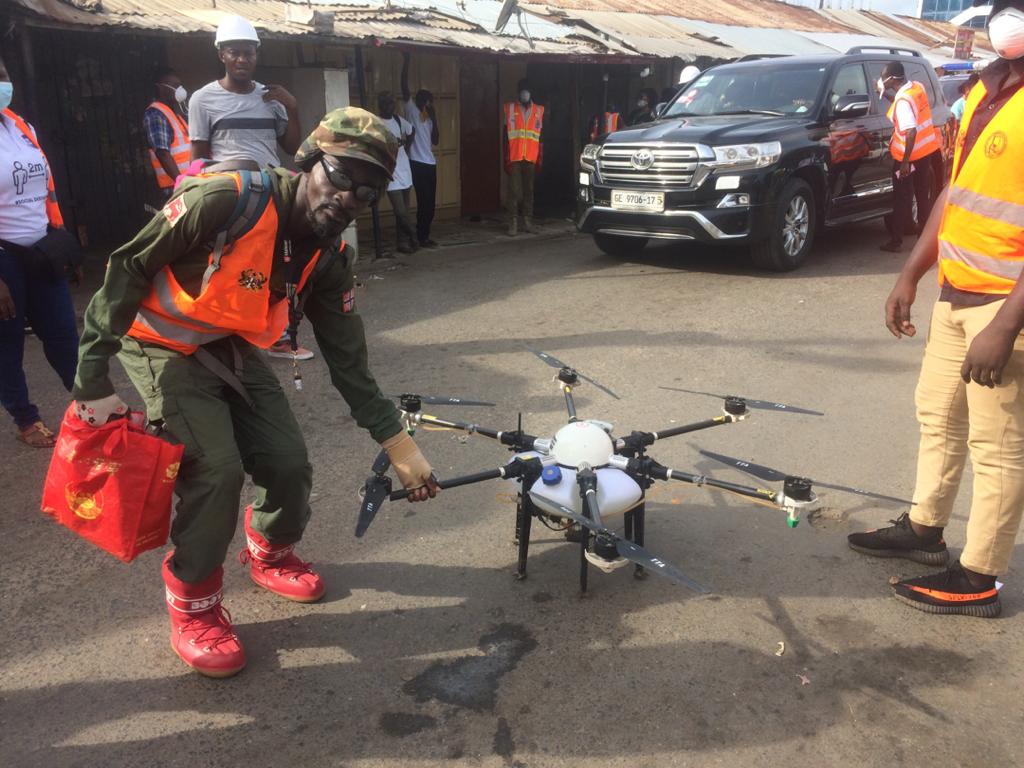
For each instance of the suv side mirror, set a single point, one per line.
(851, 106)
(660, 109)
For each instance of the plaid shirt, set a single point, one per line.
(158, 130)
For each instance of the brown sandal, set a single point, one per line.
(37, 435)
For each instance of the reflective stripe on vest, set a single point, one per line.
(604, 126)
(981, 238)
(52, 209)
(180, 149)
(927, 140)
(523, 131)
(235, 299)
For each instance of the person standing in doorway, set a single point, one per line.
(167, 132)
(914, 140)
(524, 155)
(401, 184)
(237, 118)
(28, 212)
(420, 113)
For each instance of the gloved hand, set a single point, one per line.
(413, 470)
(96, 413)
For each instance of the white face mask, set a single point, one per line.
(524, 96)
(1006, 31)
(180, 94)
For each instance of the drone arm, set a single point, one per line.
(514, 468)
(587, 481)
(660, 472)
(569, 403)
(636, 440)
(423, 418)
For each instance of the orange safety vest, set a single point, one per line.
(52, 209)
(180, 149)
(927, 140)
(981, 238)
(523, 131)
(234, 299)
(607, 125)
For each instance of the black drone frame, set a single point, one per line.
(630, 456)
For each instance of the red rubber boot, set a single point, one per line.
(201, 632)
(275, 567)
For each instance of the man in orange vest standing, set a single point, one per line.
(970, 395)
(170, 149)
(232, 261)
(914, 140)
(524, 154)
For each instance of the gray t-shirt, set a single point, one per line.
(239, 126)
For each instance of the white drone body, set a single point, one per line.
(575, 445)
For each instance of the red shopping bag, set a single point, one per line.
(112, 485)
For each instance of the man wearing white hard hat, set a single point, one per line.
(237, 118)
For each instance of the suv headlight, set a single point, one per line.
(589, 155)
(743, 156)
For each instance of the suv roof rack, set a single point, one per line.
(756, 56)
(884, 49)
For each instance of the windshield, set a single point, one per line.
(762, 90)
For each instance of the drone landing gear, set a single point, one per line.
(526, 510)
(634, 531)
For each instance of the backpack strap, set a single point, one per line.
(254, 194)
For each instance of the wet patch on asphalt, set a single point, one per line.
(401, 724)
(472, 681)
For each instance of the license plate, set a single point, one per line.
(638, 201)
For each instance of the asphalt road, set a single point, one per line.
(425, 650)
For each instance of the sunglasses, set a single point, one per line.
(365, 193)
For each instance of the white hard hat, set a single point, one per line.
(689, 74)
(235, 28)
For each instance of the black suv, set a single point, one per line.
(760, 152)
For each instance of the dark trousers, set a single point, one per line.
(520, 189)
(225, 439)
(918, 185)
(405, 233)
(424, 181)
(47, 307)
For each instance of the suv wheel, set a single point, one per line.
(792, 231)
(620, 246)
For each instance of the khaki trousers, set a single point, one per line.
(957, 419)
(520, 189)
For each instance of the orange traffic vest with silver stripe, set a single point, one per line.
(609, 123)
(52, 209)
(981, 239)
(927, 140)
(180, 149)
(234, 299)
(523, 127)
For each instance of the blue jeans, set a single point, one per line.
(48, 309)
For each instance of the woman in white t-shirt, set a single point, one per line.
(28, 209)
(401, 180)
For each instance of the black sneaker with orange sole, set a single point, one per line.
(899, 540)
(949, 592)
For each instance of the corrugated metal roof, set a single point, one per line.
(757, 40)
(748, 13)
(415, 25)
(655, 36)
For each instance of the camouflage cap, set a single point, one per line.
(350, 132)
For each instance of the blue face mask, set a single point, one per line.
(6, 94)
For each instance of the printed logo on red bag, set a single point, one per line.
(87, 506)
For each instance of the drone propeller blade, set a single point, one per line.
(374, 493)
(764, 405)
(635, 553)
(554, 362)
(775, 475)
(442, 400)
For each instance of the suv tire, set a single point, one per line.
(791, 236)
(619, 246)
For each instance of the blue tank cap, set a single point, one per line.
(551, 475)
